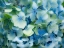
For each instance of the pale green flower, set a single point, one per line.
(28, 31)
(19, 21)
(8, 10)
(18, 9)
(34, 5)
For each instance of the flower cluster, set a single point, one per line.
(31, 23)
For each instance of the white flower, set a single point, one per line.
(59, 39)
(51, 12)
(46, 16)
(34, 5)
(30, 26)
(10, 36)
(22, 15)
(28, 31)
(42, 14)
(39, 1)
(32, 16)
(18, 22)
(8, 10)
(53, 3)
(47, 4)
(53, 28)
(19, 33)
(62, 21)
(18, 9)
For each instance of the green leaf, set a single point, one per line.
(24, 36)
(35, 30)
(1, 36)
(33, 22)
(6, 16)
(43, 25)
(29, 5)
(1, 9)
(14, 11)
(35, 46)
(7, 24)
(63, 4)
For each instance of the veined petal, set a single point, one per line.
(53, 28)
(30, 26)
(19, 23)
(28, 32)
(22, 14)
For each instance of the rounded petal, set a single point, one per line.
(34, 5)
(10, 36)
(19, 23)
(8, 10)
(28, 32)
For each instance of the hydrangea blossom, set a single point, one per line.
(19, 20)
(31, 23)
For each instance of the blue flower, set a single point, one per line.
(38, 21)
(41, 21)
(2, 3)
(61, 15)
(41, 32)
(48, 4)
(32, 16)
(24, 42)
(60, 33)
